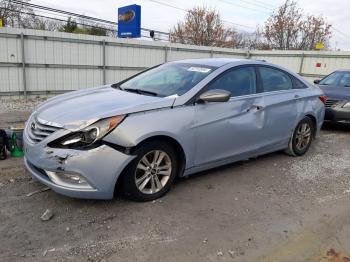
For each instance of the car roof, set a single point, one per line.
(216, 62)
(219, 62)
(343, 70)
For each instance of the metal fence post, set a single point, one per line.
(165, 53)
(23, 67)
(301, 64)
(248, 55)
(211, 53)
(104, 61)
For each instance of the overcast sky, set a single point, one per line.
(248, 13)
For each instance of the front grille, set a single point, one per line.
(331, 102)
(38, 131)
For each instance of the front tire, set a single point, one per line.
(302, 137)
(151, 174)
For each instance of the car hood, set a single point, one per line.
(78, 109)
(334, 92)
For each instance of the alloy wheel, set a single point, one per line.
(153, 172)
(303, 136)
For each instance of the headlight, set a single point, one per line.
(90, 134)
(346, 105)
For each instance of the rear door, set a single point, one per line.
(232, 128)
(280, 101)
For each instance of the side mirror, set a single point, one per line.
(317, 81)
(215, 95)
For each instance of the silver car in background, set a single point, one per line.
(172, 120)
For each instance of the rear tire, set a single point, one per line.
(302, 137)
(151, 174)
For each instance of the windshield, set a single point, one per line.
(340, 79)
(167, 79)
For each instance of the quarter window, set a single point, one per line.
(240, 81)
(274, 80)
(298, 84)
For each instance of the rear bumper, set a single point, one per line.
(100, 167)
(337, 115)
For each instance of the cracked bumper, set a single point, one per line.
(100, 167)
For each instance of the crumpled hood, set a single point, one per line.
(78, 109)
(334, 92)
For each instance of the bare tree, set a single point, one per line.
(314, 30)
(19, 15)
(14, 15)
(253, 40)
(289, 28)
(203, 26)
(42, 23)
(281, 28)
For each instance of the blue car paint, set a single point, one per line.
(210, 134)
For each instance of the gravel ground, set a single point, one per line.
(16, 111)
(273, 208)
(10, 105)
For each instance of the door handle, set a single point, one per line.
(259, 108)
(256, 107)
(297, 96)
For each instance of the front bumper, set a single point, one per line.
(337, 114)
(100, 167)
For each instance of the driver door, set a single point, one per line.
(230, 130)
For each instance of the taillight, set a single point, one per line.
(323, 99)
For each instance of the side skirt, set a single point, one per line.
(237, 158)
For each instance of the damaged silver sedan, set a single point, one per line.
(172, 120)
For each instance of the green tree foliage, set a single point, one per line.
(71, 26)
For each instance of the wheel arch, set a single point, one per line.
(167, 139)
(301, 117)
(314, 122)
(173, 142)
(290, 150)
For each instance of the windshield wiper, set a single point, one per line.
(116, 85)
(140, 91)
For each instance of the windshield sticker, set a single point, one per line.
(172, 96)
(199, 69)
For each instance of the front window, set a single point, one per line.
(167, 79)
(239, 82)
(341, 79)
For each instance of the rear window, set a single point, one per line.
(274, 79)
